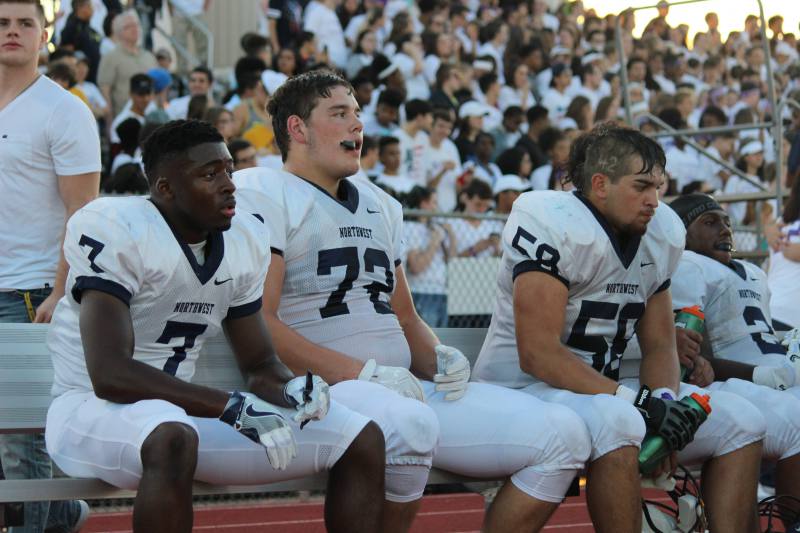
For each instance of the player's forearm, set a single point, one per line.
(659, 368)
(300, 354)
(557, 366)
(421, 341)
(130, 381)
(268, 381)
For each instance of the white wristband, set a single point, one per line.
(626, 394)
(665, 393)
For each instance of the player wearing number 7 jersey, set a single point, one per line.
(150, 280)
(338, 303)
(581, 271)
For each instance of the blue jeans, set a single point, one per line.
(24, 456)
(432, 308)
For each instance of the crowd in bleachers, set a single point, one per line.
(452, 93)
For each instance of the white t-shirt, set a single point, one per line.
(540, 178)
(399, 184)
(412, 150)
(433, 161)
(510, 96)
(324, 24)
(190, 7)
(468, 235)
(179, 107)
(432, 280)
(784, 281)
(556, 103)
(124, 115)
(45, 132)
(93, 94)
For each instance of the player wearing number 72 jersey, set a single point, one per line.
(150, 280)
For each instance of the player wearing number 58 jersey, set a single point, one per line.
(581, 272)
(338, 303)
(150, 280)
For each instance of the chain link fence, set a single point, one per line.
(453, 258)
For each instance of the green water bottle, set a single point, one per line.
(654, 448)
(690, 318)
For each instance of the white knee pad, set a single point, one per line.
(781, 412)
(411, 430)
(406, 483)
(547, 486)
(613, 423)
(733, 424)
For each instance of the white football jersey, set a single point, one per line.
(562, 234)
(124, 247)
(340, 257)
(735, 300)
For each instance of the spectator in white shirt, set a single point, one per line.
(556, 145)
(392, 178)
(97, 101)
(413, 137)
(484, 169)
(509, 132)
(476, 237)
(387, 112)
(363, 53)
(495, 36)
(591, 82)
(442, 163)
(518, 89)
(141, 94)
(200, 81)
(556, 99)
(320, 19)
(368, 160)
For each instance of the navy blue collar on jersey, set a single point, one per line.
(215, 244)
(737, 267)
(625, 255)
(346, 194)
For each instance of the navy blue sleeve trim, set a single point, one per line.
(241, 311)
(533, 266)
(276, 251)
(83, 283)
(664, 286)
(397, 263)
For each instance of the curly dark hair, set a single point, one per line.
(609, 149)
(172, 138)
(298, 96)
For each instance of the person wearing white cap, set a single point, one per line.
(751, 161)
(471, 115)
(506, 190)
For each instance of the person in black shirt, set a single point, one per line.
(79, 35)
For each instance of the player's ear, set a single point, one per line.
(163, 187)
(600, 184)
(297, 129)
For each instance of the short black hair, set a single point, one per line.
(385, 141)
(608, 149)
(513, 111)
(442, 114)
(173, 138)
(298, 96)
(252, 43)
(391, 97)
(535, 113)
(368, 143)
(549, 137)
(417, 107)
(204, 70)
(486, 81)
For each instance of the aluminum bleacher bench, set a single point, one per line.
(26, 374)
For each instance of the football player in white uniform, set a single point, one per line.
(580, 273)
(151, 279)
(338, 303)
(738, 338)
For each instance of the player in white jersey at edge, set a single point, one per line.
(338, 303)
(746, 358)
(150, 280)
(580, 273)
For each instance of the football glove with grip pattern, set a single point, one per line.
(311, 404)
(397, 378)
(452, 372)
(670, 419)
(262, 423)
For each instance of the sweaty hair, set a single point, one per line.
(173, 138)
(298, 96)
(37, 3)
(612, 150)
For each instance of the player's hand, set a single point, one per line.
(262, 423)
(310, 404)
(44, 313)
(792, 342)
(688, 342)
(702, 373)
(670, 419)
(668, 466)
(397, 378)
(775, 377)
(452, 372)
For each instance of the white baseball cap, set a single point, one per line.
(510, 182)
(753, 147)
(472, 109)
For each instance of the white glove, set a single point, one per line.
(262, 423)
(452, 372)
(310, 404)
(792, 342)
(397, 378)
(777, 377)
